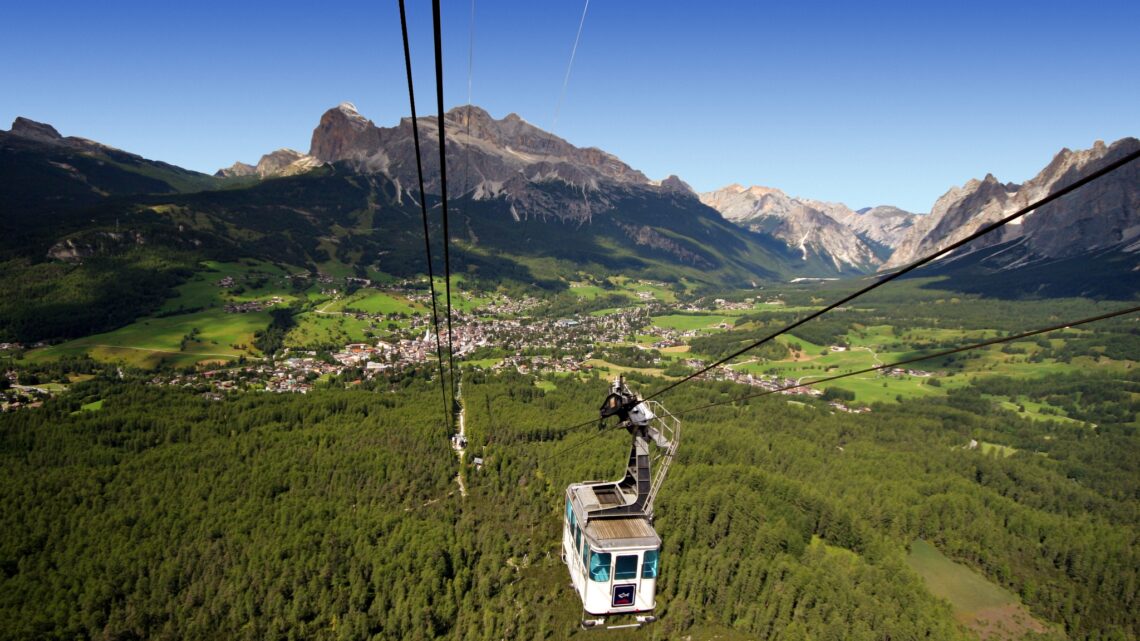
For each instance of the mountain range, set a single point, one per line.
(511, 161)
(94, 236)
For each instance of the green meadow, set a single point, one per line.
(988, 609)
(690, 322)
(152, 341)
(371, 301)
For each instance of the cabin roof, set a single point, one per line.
(588, 497)
(619, 533)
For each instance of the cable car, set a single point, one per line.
(608, 541)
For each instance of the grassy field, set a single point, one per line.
(1035, 410)
(689, 322)
(587, 291)
(989, 609)
(334, 329)
(375, 302)
(93, 406)
(203, 291)
(1003, 451)
(609, 369)
(150, 341)
(485, 363)
(623, 287)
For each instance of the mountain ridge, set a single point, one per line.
(1099, 216)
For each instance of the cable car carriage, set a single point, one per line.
(608, 541)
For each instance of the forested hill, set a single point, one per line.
(335, 515)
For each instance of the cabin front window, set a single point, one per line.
(626, 567)
(600, 566)
(649, 565)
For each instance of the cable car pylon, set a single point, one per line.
(609, 544)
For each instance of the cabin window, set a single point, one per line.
(585, 552)
(600, 566)
(577, 537)
(626, 567)
(649, 565)
(569, 512)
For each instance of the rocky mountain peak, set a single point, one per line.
(1099, 215)
(492, 157)
(286, 162)
(43, 132)
(674, 183)
(283, 162)
(236, 170)
(342, 134)
(811, 227)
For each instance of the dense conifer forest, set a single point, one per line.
(335, 515)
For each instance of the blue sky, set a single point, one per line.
(884, 103)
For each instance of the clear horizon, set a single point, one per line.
(892, 104)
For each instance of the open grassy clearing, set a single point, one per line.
(605, 312)
(659, 292)
(371, 301)
(93, 406)
(997, 449)
(610, 369)
(485, 363)
(1035, 410)
(314, 330)
(585, 291)
(623, 287)
(988, 609)
(783, 309)
(203, 290)
(150, 341)
(964, 588)
(871, 388)
(691, 322)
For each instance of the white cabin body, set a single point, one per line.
(613, 561)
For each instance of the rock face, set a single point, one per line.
(36, 131)
(46, 134)
(1099, 216)
(885, 225)
(343, 134)
(76, 250)
(486, 159)
(236, 170)
(283, 162)
(813, 227)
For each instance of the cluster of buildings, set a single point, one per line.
(498, 326)
(14, 396)
(252, 306)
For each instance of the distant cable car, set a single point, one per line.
(608, 540)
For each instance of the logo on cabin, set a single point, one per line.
(623, 595)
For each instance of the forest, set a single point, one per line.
(336, 515)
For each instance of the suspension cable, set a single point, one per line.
(980, 232)
(423, 211)
(907, 361)
(443, 186)
(559, 452)
(911, 267)
(569, 66)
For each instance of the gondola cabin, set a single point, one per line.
(612, 562)
(608, 541)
